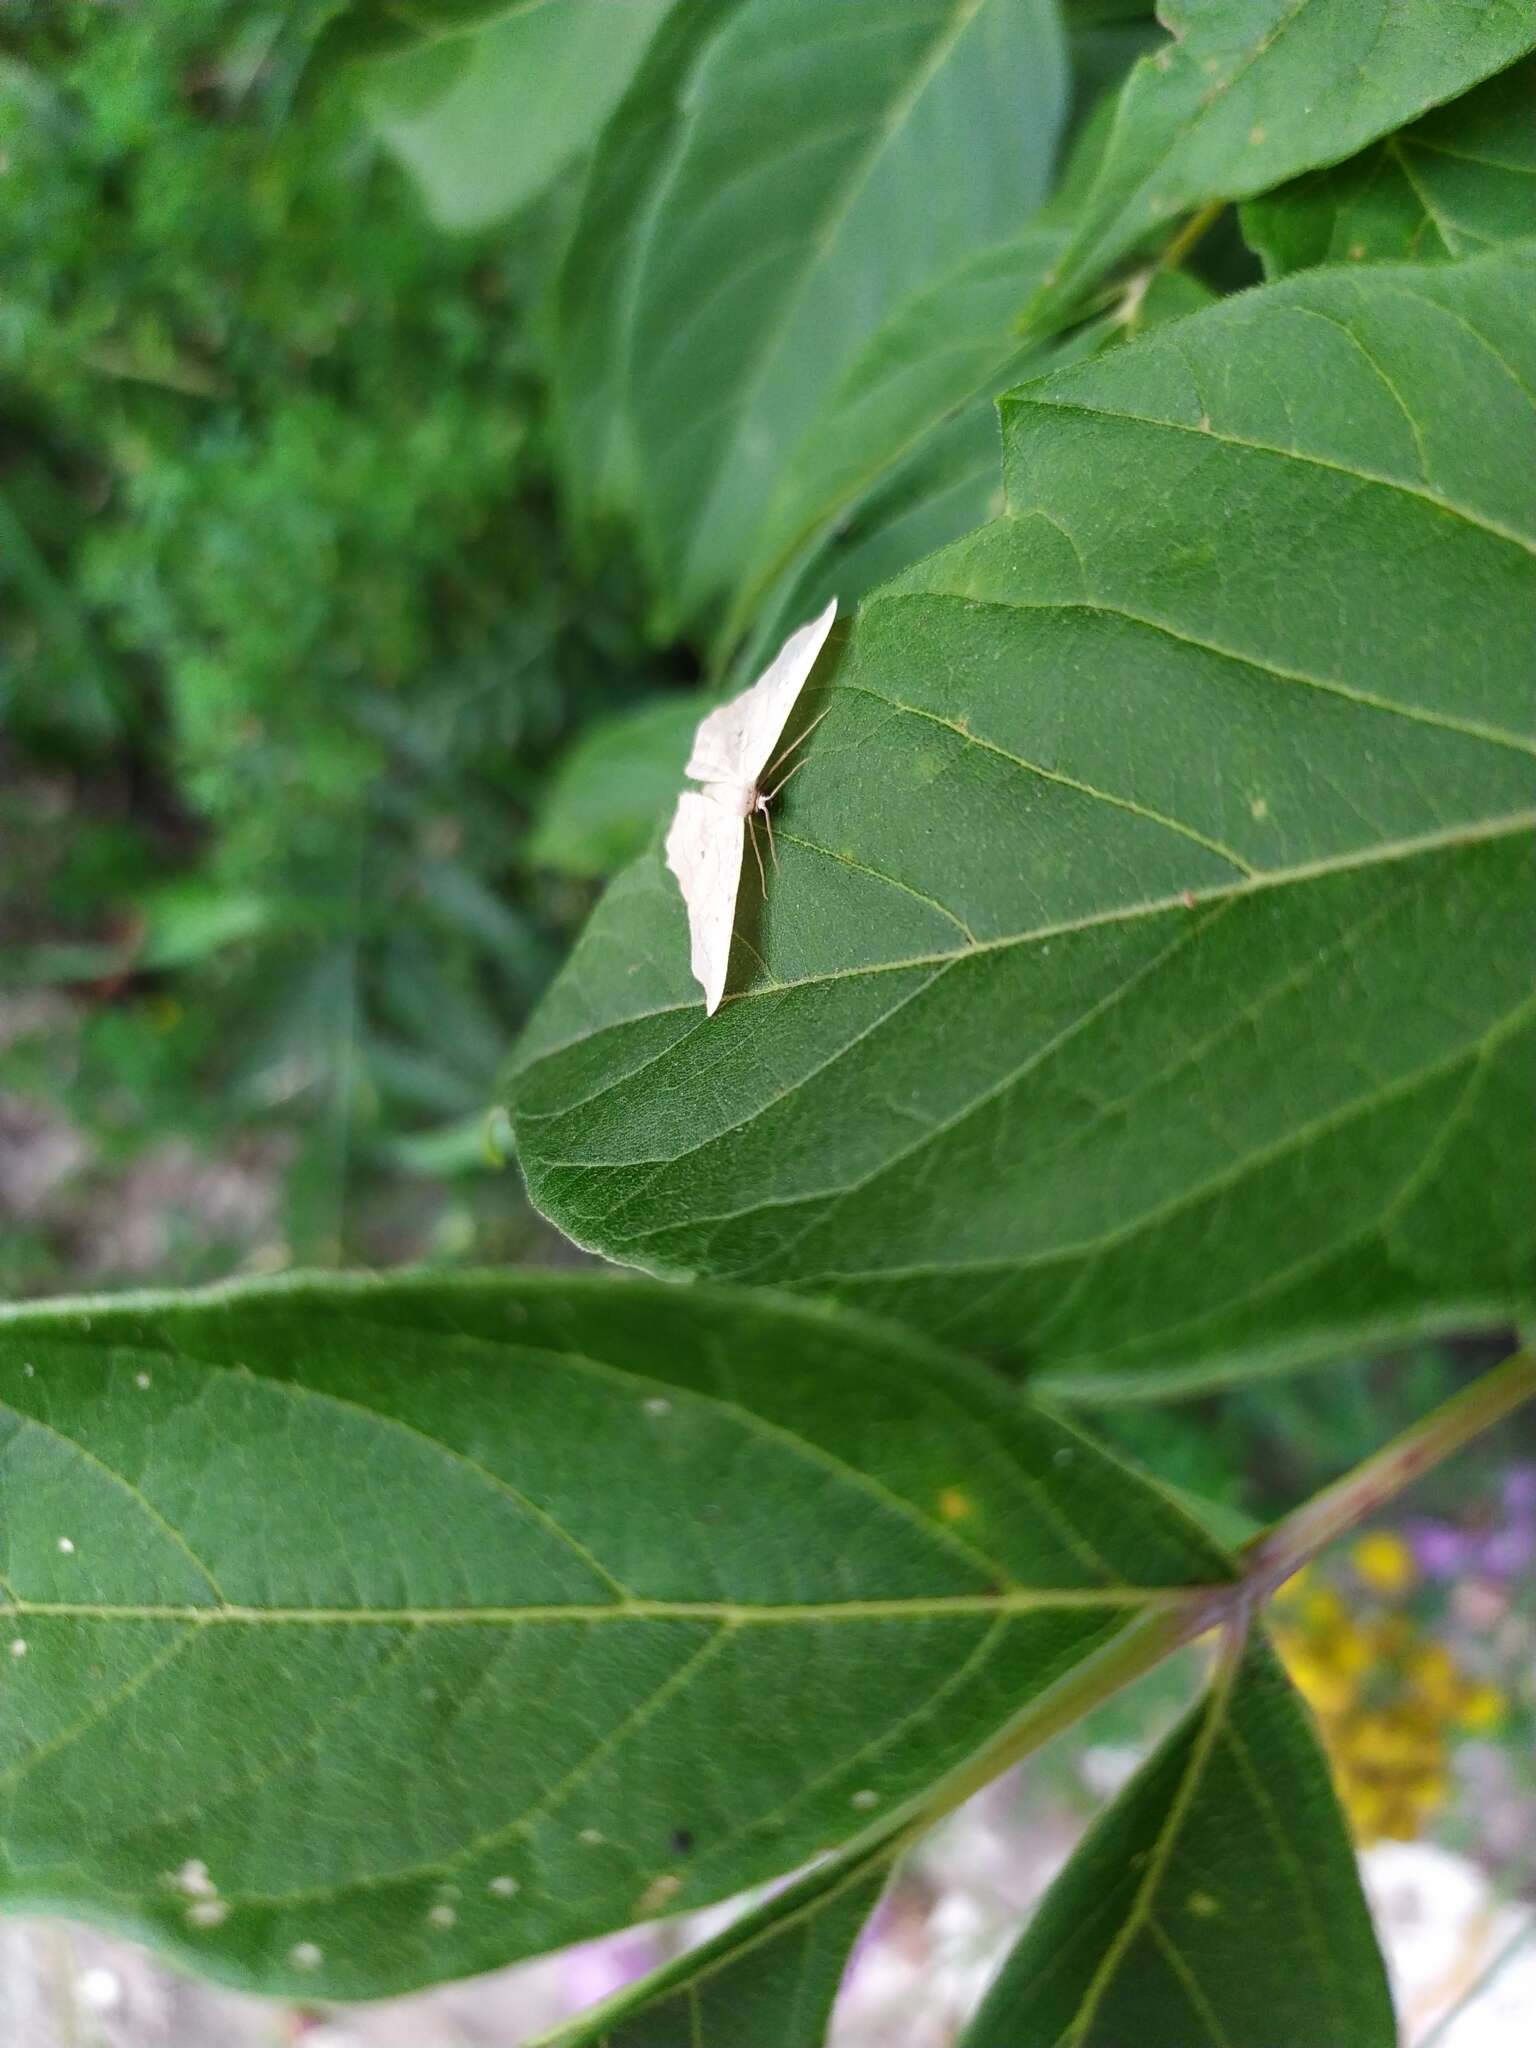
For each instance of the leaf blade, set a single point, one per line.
(1330, 783)
(1453, 184)
(422, 1607)
(1246, 96)
(787, 229)
(1176, 1921)
(458, 112)
(768, 1978)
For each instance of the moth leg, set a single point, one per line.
(798, 741)
(773, 851)
(757, 855)
(772, 793)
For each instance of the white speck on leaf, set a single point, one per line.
(443, 1915)
(207, 1912)
(503, 1887)
(658, 1405)
(18, 1646)
(66, 1546)
(141, 1379)
(99, 1989)
(865, 1800)
(593, 1837)
(193, 1879)
(304, 1955)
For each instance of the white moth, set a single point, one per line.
(731, 752)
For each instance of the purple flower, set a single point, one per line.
(1509, 1552)
(1443, 1552)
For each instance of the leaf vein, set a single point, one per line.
(1377, 479)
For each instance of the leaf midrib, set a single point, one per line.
(1262, 1156)
(733, 1613)
(1426, 495)
(1206, 1740)
(1446, 839)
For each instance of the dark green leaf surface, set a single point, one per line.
(1454, 184)
(485, 122)
(767, 1981)
(1217, 1901)
(1249, 92)
(807, 171)
(1144, 993)
(363, 1634)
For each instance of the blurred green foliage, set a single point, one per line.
(287, 641)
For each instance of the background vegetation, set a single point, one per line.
(290, 643)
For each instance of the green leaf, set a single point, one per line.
(1460, 181)
(768, 1979)
(1138, 997)
(956, 339)
(948, 483)
(593, 301)
(361, 1634)
(790, 183)
(1217, 1900)
(486, 122)
(1249, 92)
(378, 28)
(944, 487)
(901, 457)
(613, 786)
(187, 921)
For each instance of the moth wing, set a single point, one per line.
(735, 741)
(704, 849)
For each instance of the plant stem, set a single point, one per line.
(1189, 234)
(1267, 1561)
(1133, 1651)
(1272, 1558)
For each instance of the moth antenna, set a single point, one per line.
(772, 793)
(798, 741)
(752, 841)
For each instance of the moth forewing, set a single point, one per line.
(731, 753)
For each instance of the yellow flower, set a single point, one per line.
(1388, 1699)
(1384, 1562)
(1480, 1706)
(1325, 1688)
(1322, 1608)
(1434, 1677)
